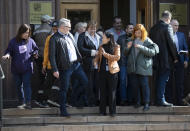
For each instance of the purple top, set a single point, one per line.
(21, 55)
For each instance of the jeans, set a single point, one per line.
(65, 76)
(78, 96)
(162, 78)
(138, 81)
(23, 86)
(123, 83)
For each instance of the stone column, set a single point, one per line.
(13, 13)
(133, 14)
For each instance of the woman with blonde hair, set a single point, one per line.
(140, 50)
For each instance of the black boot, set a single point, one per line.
(28, 106)
(137, 105)
(65, 114)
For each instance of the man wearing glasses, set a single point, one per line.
(65, 61)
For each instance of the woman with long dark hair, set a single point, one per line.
(107, 62)
(22, 49)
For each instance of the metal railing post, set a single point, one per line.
(2, 76)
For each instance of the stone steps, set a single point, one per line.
(105, 127)
(78, 119)
(95, 110)
(88, 119)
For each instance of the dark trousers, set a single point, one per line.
(38, 81)
(92, 91)
(65, 76)
(138, 81)
(175, 87)
(49, 82)
(108, 85)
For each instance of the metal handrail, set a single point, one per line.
(2, 73)
(2, 76)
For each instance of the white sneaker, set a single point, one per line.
(53, 103)
(21, 106)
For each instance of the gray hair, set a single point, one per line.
(175, 20)
(80, 25)
(64, 22)
(166, 15)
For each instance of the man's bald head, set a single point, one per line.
(175, 25)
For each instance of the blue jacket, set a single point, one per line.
(182, 46)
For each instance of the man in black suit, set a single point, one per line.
(162, 34)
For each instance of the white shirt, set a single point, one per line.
(176, 41)
(76, 36)
(71, 49)
(70, 46)
(95, 39)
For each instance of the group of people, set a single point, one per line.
(99, 66)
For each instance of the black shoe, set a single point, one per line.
(181, 104)
(112, 114)
(146, 107)
(28, 106)
(91, 105)
(164, 103)
(123, 103)
(103, 114)
(137, 105)
(65, 114)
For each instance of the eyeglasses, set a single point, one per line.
(67, 27)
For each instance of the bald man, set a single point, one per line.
(182, 49)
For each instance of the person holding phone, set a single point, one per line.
(22, 49)
(140, 51)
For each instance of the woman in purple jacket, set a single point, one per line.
(22, 49)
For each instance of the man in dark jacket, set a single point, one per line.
(40, 35)
(162, 35)
(177, 73)
(123, 89)
(64, 59)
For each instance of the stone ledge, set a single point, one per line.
(95, 119)
(95, 110)
(104, 127)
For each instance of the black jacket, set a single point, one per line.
(58, 52)
(85, 46)
(122, 41)
(162, 35)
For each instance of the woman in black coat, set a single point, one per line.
(88, 44)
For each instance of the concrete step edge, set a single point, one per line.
(104, 127)
(89, 110)
(92, 119)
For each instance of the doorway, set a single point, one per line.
(145, 13)
(107, 12)
(78, 12)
